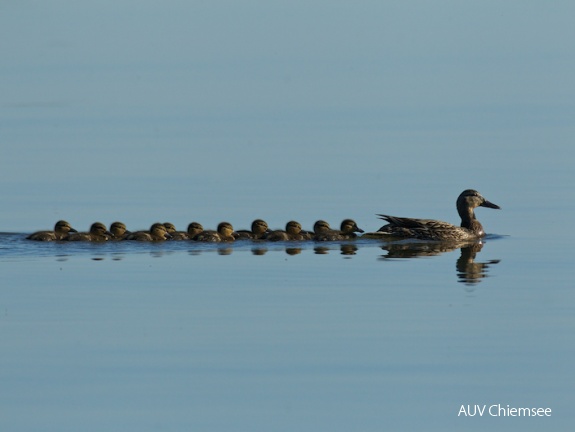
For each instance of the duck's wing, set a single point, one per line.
(404, 222)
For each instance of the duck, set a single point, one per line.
(118, 230)
(61, 230)
(291, 233)
(170, 227)
(258, 231)
(194, 228)
(434, 230)
(348, 229)
(224, 233)
(98, 233)
(156, 233)
(318, 227)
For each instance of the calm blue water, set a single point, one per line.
(210, 112)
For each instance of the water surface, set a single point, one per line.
(212, 111)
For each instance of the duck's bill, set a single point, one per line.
(490, 205)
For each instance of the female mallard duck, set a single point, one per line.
(61, 230)
(98, 233)
(348, 229)
(118, 230)
(194, 228)
(291, 233)
(225, 233)
(428, 229)
(156, 233)
(258, 231)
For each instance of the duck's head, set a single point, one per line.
(99, 229)
(293, 227)
(321, 226)
(63, 227)
(194, 228)
(225, 229)
(170, 227)
(349, 226)
(118, 229)
(259, 226)
(159, 230)
(470, 199)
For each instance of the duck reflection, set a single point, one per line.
(469, 271)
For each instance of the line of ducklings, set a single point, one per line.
(225, 232)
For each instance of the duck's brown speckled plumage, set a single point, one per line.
(292, 232)
(348, 229)
(224, 233)
(259, 230)
(119, 230)
(429, 229)
(98, 233)
(61, 230)
(156, 233)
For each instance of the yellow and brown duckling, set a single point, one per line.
(428, 229)
(156, 233)
(98, 233)
(292, 232)
(258, 231)
(348, 229)
(118, 230)
(224, 233)
(61, 231)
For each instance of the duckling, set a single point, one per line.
(61, 230)
(428, 229)
(118, 230)
(156, 233)
(291, 233)
(170, 227)
(347, 231)
(194, 228)
(259, 230)
(97, 233)
(318, 227)
(225, 233)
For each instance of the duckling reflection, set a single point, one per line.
(293, 251)
(98, 233)
(224, 233)
(118, 230)
(348, 249)
(61, 230)
(291, 233)
(156, 233)
(345, 249)
(347, 231)
(258, 231)
(259, 251)
(470, 272)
